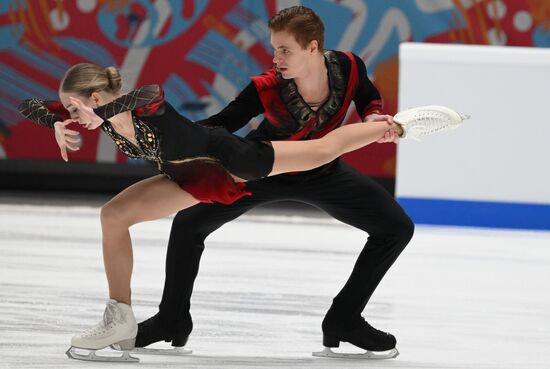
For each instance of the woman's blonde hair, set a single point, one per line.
(86, 78)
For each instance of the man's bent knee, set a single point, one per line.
(406, 230)
(395, 231)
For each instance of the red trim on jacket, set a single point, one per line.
(274, 109)
(276, 112)
(151, 108)
(374, 107)
(57, 108)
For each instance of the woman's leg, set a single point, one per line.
(295, 156)
(150, 199)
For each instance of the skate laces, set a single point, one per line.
(425, 120)
(99, 328)
(112, 314)
(109, 316)
(429, 121)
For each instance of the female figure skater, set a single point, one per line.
(197, 164)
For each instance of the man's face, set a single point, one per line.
(289, 57)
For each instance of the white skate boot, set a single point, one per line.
(425, 120)
(118, 329)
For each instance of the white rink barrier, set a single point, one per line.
(494, 170)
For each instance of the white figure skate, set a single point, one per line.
(425, 120)
(117, 329)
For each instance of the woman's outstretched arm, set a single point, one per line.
(43, 112)
(146, 100)
(52, 114)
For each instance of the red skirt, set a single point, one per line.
(206, 180)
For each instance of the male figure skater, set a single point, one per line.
(305, 95)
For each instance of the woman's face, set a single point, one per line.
(291, 60)
(73, 111)
(97, 99)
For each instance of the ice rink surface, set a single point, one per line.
(456, 298)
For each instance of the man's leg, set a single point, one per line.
(185, 246)
(357, 200)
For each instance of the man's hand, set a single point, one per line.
(391, 135)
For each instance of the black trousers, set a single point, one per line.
(341, 191)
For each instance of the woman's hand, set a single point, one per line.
(66, 138)
(86, 115)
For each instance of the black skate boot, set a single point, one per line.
(152, 330)
(378, 344)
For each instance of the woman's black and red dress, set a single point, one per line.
(200, 159)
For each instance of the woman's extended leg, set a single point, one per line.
(150, 199)
(295, 156)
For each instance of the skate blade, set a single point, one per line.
(90, 355)
(176, 351)
(367, 355)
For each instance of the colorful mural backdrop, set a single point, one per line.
(203, 52)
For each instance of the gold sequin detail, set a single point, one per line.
(147, 145)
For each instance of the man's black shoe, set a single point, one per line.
(151, 331)
(359, 333)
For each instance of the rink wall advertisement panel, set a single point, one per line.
(203, 52)
(493, 170)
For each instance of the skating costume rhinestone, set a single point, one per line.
(147, 148)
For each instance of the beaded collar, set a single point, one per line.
(300, 110)
(147, 147)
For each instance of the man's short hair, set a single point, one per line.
(301, 22)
